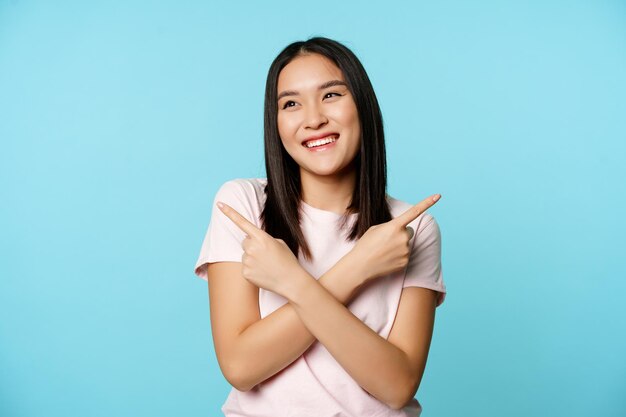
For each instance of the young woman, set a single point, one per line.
(322, 288)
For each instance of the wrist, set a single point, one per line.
(298, 284)
(357, 267)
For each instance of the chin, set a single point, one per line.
(326, 171)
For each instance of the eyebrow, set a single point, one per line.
(327, 84)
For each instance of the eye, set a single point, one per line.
(289, 104)
(331, 94)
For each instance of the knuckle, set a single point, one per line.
(389, 230)
(252, 250)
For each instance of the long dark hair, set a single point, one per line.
(281, 214)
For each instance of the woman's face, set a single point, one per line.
(318, 121)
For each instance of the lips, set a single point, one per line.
(320, 140)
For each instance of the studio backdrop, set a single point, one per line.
(120, 120)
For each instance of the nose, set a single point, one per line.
(314, 117)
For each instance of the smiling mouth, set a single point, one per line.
(320, 142)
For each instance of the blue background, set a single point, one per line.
(120, 120)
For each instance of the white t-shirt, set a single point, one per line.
(315, 384)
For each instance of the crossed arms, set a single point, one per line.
(250, 349)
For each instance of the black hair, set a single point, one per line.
(281, 214)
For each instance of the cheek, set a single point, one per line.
(287, 135)
(287, 127)
(354, 119)
(355, 126)
(348, 116)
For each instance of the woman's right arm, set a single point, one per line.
(250, 349)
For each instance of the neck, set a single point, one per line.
(329, 192)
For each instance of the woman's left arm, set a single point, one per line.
(390, 370)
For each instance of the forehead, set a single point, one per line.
(308, 71)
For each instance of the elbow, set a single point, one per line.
(239, 383)
(405, 394)
(237, 376)
(399, 403)
(242, 386)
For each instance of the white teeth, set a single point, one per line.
(320, 142)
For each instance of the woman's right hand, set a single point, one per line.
(384, 248)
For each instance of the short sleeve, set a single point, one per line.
(222, 242)
(424, 267)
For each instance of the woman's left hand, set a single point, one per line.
(267, 263)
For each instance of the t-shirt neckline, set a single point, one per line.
(319, 213)
(314, 212)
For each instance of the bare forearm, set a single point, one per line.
(271, 344)
(377, 365)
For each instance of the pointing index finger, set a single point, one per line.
(241, 222)
(412, 213)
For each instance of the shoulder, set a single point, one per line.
(423, 222)
(245, 195)
(247, 189)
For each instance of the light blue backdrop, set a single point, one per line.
(120, 120)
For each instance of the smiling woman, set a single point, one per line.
(322, 287)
